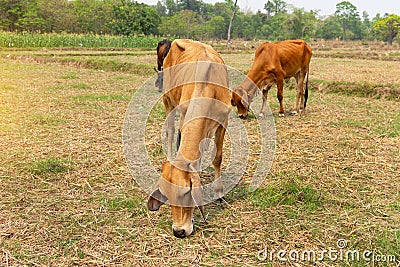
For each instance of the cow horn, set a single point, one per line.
(201, 208)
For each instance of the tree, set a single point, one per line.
(269, 7)
(330, 28)
(19, 15)
(228, 42)
(182, 24)
(134, 18)
(300, 23)
(172, 7)
(214, 28)
(347, 15)
(59, 15)
(161, 9)
(387, 28)
(194, 5)
(92, 15)
(275, 6)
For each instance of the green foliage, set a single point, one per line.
(132, 18)
(191, 19)
(330, 28)
(387, 28)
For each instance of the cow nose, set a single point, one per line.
(179, 233)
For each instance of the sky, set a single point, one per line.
(326, 7)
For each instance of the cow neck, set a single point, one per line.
(250, 86)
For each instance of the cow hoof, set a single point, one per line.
(260, 115)
(294, 112)
(281, 114)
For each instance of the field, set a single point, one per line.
(67, 197)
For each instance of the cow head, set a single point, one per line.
(240, 100)
(182, 188)
(163, 48)
(160, 80)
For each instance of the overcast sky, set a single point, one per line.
(326, 7)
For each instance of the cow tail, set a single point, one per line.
(306, 91)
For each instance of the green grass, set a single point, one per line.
(392, 129)
(287, 191)
(124, 203)
(69, 76)
(365, 89)
(47, 120)
(375, 124)
(49, 166)
(388, 244)
(84, 98)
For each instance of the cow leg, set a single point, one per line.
(264, 103)
(218, 186)
(299, 104)
(279, 84)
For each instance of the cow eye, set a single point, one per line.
(233, 103)
(184, 191)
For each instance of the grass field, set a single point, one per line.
(67, 197)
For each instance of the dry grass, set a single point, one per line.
(67, 197)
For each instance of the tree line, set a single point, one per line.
(195, 19)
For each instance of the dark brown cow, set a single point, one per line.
(275, 63)
(195, 83)
(162, 51)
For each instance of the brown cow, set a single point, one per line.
(274, 63)
(195, 83)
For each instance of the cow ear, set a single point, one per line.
(155, 200)
(245, 101)
(233, 103)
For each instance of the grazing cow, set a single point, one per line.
(195, 83)
(162, 51)
(274, 63)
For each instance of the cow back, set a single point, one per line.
(273, 60)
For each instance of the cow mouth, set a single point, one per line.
(179, 233)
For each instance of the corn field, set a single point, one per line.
(37, 40)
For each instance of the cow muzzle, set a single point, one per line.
(182, 231)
